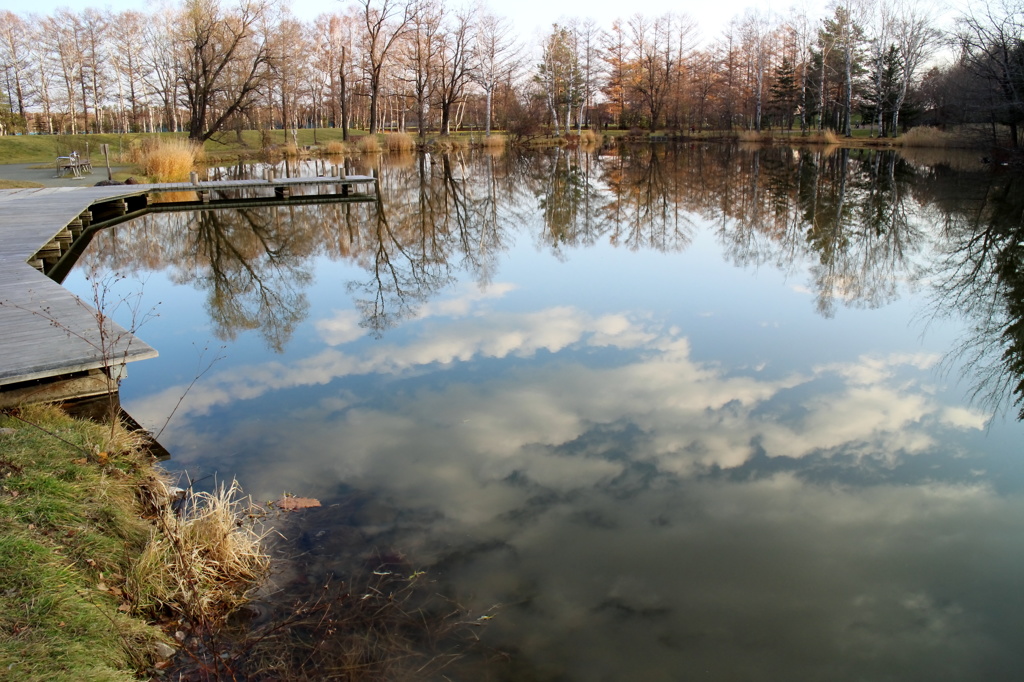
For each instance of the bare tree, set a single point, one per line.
(15, 39)
(160, 73)
(420, 55)
(455, 64)
(61, 37)
(128, 30)
(386, 21)
(496, 55)
(222, 61)
(757, 32)
(991, 41)
(287, 51)
(93, 39)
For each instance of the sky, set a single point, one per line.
(530, 17)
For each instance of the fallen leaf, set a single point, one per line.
(101, 458)
(124, 608)
(293, 503)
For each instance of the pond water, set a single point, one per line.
(677, 413)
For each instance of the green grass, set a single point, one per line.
(70, 528)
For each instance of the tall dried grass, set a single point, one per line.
(368, 144)
(826, 136)
(336, 148)
(924, 136)
(166, 159)
(399, 142)
(589, 138)
(493, 140)
(206, 559)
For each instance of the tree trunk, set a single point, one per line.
(343, 94)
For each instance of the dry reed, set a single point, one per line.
(924, 136)
(167, 159)
(206, 559)
(368, 144)
(589, 138)
(399, 142)
(493, 140)
(336, 148)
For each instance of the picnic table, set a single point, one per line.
(73, 164)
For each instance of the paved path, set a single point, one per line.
(46, 175)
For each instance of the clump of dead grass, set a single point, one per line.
(336, 148)
(826, 136)
(399, 142)
(166, 159)
(924, 136)
(590, 138)
(203, 559)
(368, 144)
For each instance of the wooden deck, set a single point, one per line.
(46, 331)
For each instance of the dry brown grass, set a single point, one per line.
(924, 136)
(368, 144)
(590, 138)
(205, 560)
(336, 148)
(166, 159)
(828, 137)
(494, 140)
(399, 142)
(291, 150)
(448, 143)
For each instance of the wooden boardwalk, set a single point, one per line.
(46, 331)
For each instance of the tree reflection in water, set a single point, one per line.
(849, 217)
(981, 276)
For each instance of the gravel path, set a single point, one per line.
(47, 175)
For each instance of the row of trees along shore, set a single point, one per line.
(204, 66)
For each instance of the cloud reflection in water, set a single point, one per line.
(644, 515)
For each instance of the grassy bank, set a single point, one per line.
(92, 556)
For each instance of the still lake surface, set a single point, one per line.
(683, 413)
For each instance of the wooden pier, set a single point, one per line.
(51, 343)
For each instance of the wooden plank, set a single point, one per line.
(45, 331)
